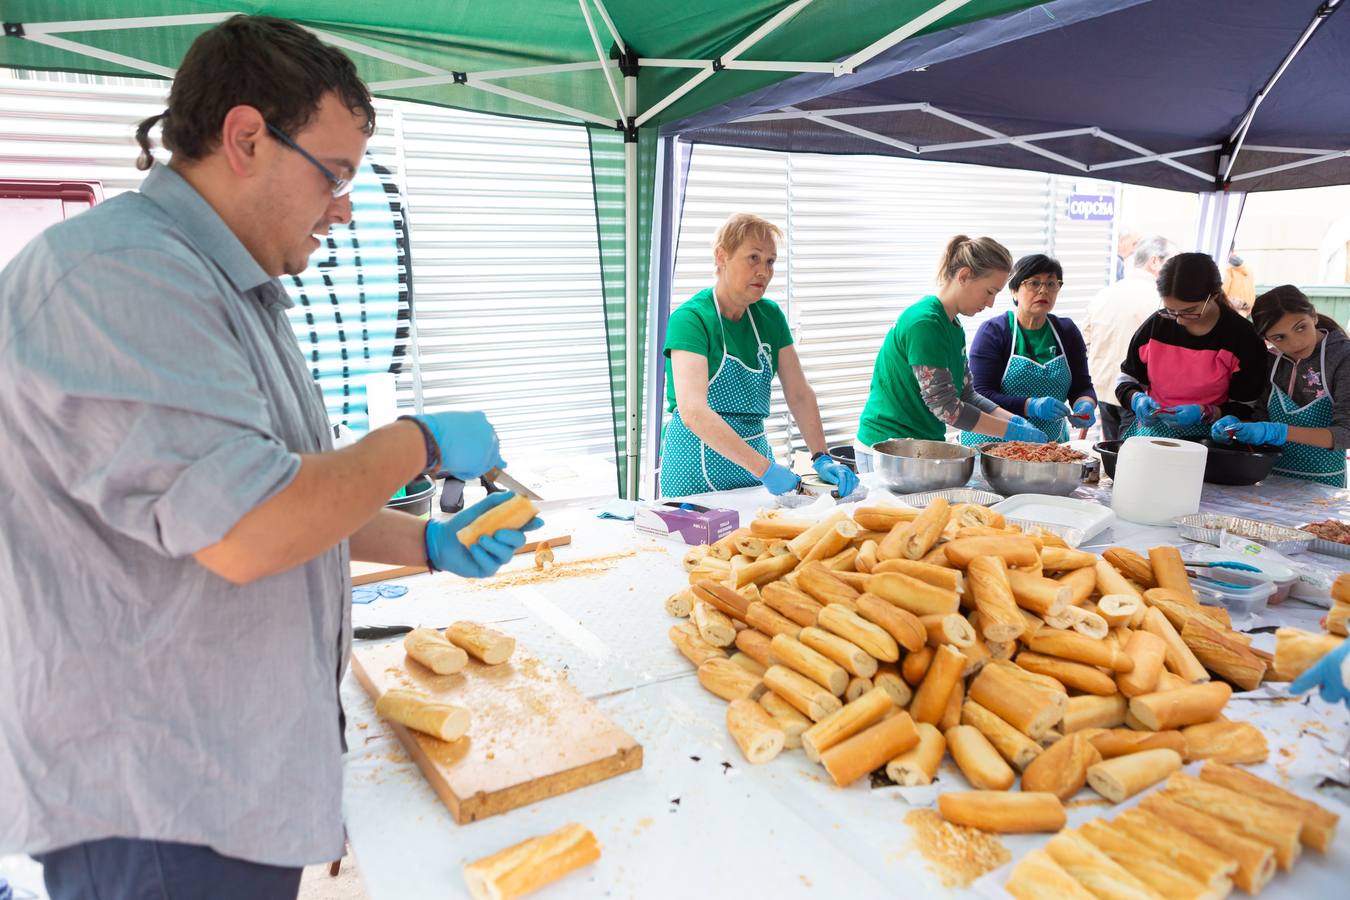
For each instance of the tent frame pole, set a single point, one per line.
(1239, 135)
(779, 19)
(632, 383)
(850, 65)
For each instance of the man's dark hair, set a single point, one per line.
(271, 64)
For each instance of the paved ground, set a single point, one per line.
(317, 884)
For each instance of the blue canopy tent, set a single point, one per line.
(1220, 97)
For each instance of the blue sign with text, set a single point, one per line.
(1092, 207)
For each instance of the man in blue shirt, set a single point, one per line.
(174, 573)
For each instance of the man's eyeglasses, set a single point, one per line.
(1185, 316)
(341, 186)
(1036, 285)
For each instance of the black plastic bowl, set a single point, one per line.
(1226, 463)
(1238, 463)
(1108, 450)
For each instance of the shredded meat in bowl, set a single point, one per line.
(1330, 530)
(1024, 452)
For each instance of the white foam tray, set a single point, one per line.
(1076, 521)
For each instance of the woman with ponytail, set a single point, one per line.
(1194, 360)
(921, 383)
(1307, 396)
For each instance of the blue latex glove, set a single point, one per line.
(1145, 408)
(1047, 408)
(467, 441)
(1329, 674)
(1186, 414)
(1260, 434)
(1019, 429)
(488, 554)
(1086, 412)
(779, 479)
(1219, 430)
(836, 473)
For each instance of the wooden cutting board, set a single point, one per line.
(532, 736)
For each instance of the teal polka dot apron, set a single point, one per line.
(688, 465)
(1024, 377)
(1303, 461)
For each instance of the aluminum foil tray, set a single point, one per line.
(953, 496)
(1209, 527)
(1329, 548)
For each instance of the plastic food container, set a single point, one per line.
(1241, 593)
(1283, 577)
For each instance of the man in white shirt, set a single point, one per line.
(1113, 316)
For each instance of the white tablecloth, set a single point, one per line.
(697, 819)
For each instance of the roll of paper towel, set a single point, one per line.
(1158, 479)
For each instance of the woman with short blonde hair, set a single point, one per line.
(724, 346)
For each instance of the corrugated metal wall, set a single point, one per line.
(864, 237)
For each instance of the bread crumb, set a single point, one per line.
(575, 568)
(956, 854)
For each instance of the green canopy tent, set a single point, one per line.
(620, 68)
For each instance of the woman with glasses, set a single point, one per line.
(1193, 361)
(1030, 362)
(921, 383)
(1307, 396)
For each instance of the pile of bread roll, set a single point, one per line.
(1195, 838)
(895, 636)
(443, 653)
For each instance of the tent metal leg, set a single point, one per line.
(632, 327)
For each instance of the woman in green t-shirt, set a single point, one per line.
(723, 347)
(921, 383)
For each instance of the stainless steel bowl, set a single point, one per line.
(1014, 476)
(908, 466)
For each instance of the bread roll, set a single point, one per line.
(1113, 742)
(1095, 870)
(978, 760)
(1039, 877)
(1003, 812)
(420, 713)
(1255, 859)
(1187, 853)
(1271, 825)
(919, 764)
(1226, 742)
(1148, 652)
(1063, 768)
(430, 648)
(531, 864)
(754, 730)
(1124, 776)
(870, 749)
(1190, 705)
(1319, 823)
(1014, 746)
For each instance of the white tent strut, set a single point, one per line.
(603, 58)
(850, 65)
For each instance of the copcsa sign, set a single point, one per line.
(1092, 207)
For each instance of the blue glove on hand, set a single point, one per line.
(1219, 430)
(1186, 414)
(467, 442)
(1047, 408)
(1145, 408)
(1085, 412)
(488, 554)
(1019, 429)
(1329, 674)
(1262, 434)
(836, 473)
(779, 479)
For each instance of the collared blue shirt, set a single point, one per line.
(151, 393)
